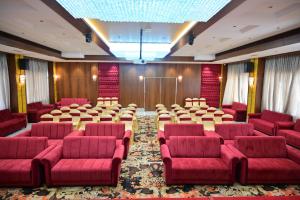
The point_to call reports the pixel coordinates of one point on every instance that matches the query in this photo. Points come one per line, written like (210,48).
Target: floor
(142,177)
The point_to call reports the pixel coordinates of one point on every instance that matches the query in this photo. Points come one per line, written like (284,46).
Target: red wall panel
(108,77)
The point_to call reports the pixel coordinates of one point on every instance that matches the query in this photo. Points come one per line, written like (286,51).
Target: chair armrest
(236,152)
(226,106)
(229,156)
(24,134)
(214,134)
(118,155)
(126,137)
(254,115)
(52,157)
(161,137)
(165,154)
(293,154)
(19,115)
(76,133)
(285,125)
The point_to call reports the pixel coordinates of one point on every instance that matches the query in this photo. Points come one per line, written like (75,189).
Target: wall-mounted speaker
(249,67)
(24,64)
(88,37)
(191,39)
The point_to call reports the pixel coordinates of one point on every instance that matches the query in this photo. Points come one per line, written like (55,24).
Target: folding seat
(84,119)
(82,109)
(56,112)
(195,102)
(184,119)
(127,119)
(159,106)
(114,101)
(65,109)
(87,106)
(226,118)
(162,120)
(132,105)
(181,112)
(100,100)
(107,101)
(75,115)
(204,107)
(133,109)
(119,106)
(211,110)
(106,118)
(188,103)
(218,116)
(74,106)
(208,122)
(115,108)
(94,114)
(65,117)
(173,106)
(98,109)
(193,111)
(198,115)
(47,118)
(202,102)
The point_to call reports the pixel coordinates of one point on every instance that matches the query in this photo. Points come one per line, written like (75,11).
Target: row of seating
(190,102)
(11,122)
(54,152)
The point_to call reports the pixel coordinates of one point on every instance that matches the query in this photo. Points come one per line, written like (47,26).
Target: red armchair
(55,132)
(20,161)
(11,122)
(36,110)
(267,160)
(237,110)
(84,161)
(69,101)
(198,160)
(108,129)
(183,130)
(291,132)
(265,122)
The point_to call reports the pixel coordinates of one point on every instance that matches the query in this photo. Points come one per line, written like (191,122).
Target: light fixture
(94,77)
(251,81)
(56,77)
(166,11)
(220,78)
(141,78)
(179,78)
(22,79)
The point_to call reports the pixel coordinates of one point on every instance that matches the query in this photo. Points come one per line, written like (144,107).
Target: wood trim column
(259,84)
(51,82)
(223,82)
(11,63)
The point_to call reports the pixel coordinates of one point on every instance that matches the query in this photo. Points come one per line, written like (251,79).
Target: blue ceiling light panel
(162,11)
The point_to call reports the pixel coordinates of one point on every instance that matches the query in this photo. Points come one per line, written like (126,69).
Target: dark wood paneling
(259,84)
(75,80)
(11,63)
(224,81)
(51,82)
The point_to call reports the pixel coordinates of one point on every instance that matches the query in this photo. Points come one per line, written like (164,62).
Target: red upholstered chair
(198,160)
(237,110)
(36,110)
(11,122)
(291,132)
(267,160)
(19,161)
(55,132)
(265,122)
(108,129)
(69,101)
(84,161)
(183,130)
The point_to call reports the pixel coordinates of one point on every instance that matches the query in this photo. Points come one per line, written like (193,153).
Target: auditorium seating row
(235,152)
(190,102)
(55,153)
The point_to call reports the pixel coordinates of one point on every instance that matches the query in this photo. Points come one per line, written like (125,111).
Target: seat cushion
(229,111)
(228,142)
(75,171)
(55,142)
(292,137)
(272,170)
(200,169)
(262,125)
(15,171)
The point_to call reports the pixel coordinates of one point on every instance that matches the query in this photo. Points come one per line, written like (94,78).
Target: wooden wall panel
(259,84)
(75,80)
(51,82)
(12,71)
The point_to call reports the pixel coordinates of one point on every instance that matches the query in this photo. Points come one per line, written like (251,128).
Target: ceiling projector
(140,62)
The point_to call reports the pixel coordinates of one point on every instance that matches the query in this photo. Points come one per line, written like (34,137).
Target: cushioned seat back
(238,106)
(261,146)
(36,105)
(89,147)
(275,116)
(51,130)
(22,147)
(297,125)
(5,115)
(194,147)
(229,131)
(105,129)
(183,130)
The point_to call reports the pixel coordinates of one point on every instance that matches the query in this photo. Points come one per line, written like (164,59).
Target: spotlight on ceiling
(191,39)
(88,37)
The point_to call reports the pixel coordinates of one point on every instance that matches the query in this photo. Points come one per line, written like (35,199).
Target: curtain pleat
(4,83)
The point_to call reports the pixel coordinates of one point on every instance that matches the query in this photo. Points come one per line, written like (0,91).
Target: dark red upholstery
(36,110)
(183,130)
(108,129)
(291,132)
(266,121)
(197,160)
(11,122)
(19,160)
(69,101)
(267,160)
(55,132)
(86,160)
(237,110)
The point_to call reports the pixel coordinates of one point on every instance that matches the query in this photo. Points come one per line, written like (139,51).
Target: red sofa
(267,160)
(291,132)
(229,131)
(183,130)
(237,110)
(11,122)
(69,101)
(198,160)
(84,161)
(265,122)
(20,161)
(55,132)
(108,129)
(36,110)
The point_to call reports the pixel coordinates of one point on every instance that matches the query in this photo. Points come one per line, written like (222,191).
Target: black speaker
(88,37)
(191,39)
(249,67)
(24,64)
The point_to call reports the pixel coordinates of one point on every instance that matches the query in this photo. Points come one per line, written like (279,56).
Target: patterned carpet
(142,177)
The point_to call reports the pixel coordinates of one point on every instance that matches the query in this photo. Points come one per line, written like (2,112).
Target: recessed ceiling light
(41,21)
(234,26)
(270,7)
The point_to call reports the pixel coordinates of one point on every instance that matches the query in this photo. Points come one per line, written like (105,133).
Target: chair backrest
(51,130)
(261,146)
(183,130)
(194,147)
(229,131)
(273,117)
(5,115)
(297,125)
(22,147)
(35,105)
(89,147)
(105,129)
(239,106)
